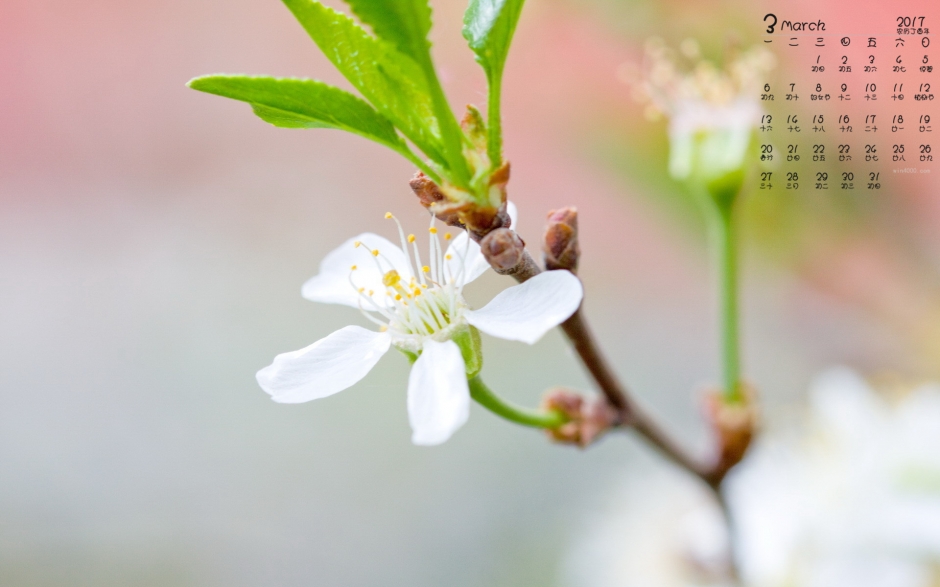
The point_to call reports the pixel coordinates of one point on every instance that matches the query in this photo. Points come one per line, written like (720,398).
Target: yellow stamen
(448,236)
(353,268)
(411,238)
(388,216)
(448,257)
(426,269)
(362,289)
(397,296)
(391,278)
(433,230)
(375,252)
(417,292)
(371,292)
(383,328)
(357,244)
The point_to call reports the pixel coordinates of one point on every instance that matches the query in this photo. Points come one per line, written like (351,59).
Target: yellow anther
(362,289)
(411,238)
(375,252)
(398,296)
(424,285)
(448,257)
(383,328)
(391,278)
(388,216)
(357,244)
(448,236)
(417,292)
(433,230)
(353,268)
(371,292)
(426,269)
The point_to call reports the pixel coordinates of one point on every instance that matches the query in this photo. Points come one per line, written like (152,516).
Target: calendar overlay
(849,110)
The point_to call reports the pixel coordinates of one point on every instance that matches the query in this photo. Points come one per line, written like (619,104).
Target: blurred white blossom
(850,498)
(712,112)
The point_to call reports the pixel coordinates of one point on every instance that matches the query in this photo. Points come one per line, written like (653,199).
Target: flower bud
(457,208)
(733,424)
(587,419)
(560,243)
(504,250)
(431,197)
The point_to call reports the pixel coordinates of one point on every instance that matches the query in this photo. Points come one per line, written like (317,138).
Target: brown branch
(505,250)
(629,414)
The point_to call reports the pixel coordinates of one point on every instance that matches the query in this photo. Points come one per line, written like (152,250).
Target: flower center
(420,300)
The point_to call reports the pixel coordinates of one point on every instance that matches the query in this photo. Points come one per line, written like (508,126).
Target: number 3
(770,28)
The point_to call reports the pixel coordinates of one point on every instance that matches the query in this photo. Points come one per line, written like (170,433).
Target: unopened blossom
(712,113)
(416,304)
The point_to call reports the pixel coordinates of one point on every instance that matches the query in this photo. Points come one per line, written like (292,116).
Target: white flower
(849,499)
(419,309)
(712,113)
(711,139)
(854,501)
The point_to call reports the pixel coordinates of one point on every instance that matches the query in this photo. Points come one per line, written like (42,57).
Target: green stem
(450,130)
(494,144)
(726,249)
(489,400)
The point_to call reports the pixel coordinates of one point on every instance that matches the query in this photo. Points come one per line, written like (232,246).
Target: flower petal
(527,311)
(466,261)
(438,394)
(332,284)
(328,366)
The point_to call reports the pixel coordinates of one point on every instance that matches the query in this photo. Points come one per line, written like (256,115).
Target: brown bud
(503,248)
(733,424)
(455,207)
(427,191)
(587,419)
(432,198)
(560,244)
(481,219)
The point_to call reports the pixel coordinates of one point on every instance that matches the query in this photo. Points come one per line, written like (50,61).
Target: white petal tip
(526,312)
(417,441)
(328,366)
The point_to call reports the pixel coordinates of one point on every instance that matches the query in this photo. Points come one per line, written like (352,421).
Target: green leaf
(303,103)
(387,78)
(488,26)
(404,23)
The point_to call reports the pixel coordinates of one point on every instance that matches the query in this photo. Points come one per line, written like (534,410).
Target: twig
(630,415)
